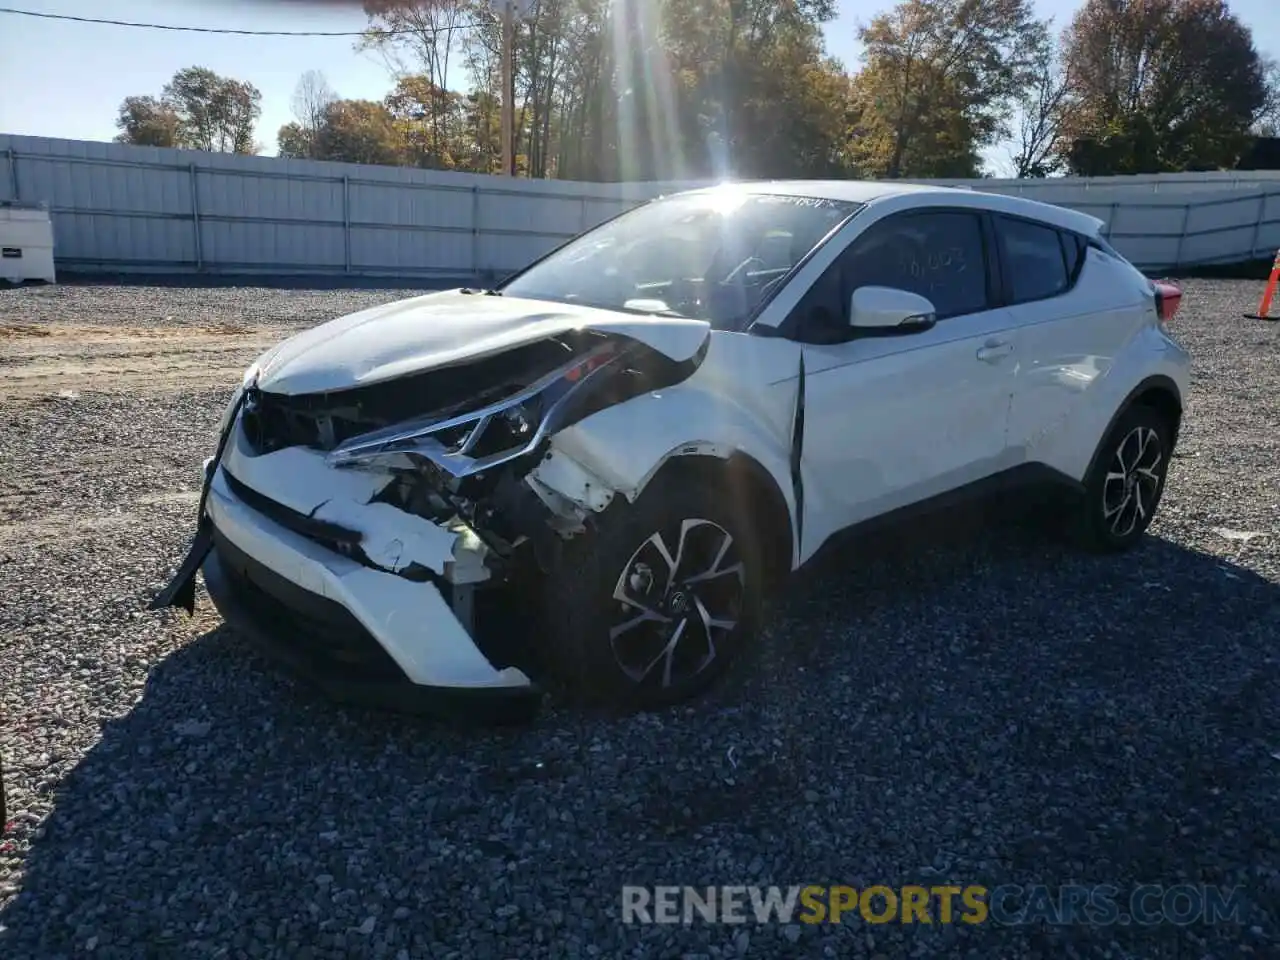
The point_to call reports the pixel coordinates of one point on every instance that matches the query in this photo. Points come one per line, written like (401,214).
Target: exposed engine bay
(462,442)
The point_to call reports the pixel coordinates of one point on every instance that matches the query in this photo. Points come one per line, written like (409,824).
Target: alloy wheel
(1132,483)
(675,607)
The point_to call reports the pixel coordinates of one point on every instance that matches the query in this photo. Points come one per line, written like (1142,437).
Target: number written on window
(937,255)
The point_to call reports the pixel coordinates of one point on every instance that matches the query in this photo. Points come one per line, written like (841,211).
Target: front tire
(1126,482)
(655,604)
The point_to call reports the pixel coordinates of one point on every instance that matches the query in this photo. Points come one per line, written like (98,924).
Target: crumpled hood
(439,329)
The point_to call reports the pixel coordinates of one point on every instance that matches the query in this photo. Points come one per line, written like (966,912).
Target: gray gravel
(969,708)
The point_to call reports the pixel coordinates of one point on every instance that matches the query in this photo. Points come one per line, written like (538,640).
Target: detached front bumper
(362,635)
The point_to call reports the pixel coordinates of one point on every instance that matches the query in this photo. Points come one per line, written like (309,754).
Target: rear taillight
(1168,299)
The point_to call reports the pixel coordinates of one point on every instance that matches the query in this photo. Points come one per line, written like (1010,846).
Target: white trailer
(26,242)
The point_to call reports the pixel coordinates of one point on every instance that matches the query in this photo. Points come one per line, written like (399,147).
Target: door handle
(993,350)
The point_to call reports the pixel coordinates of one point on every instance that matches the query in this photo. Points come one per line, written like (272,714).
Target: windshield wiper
(471,291)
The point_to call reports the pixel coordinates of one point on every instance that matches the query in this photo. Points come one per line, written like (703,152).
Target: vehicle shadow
(927,708)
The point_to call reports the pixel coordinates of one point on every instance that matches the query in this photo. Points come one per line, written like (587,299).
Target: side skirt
(1018,488)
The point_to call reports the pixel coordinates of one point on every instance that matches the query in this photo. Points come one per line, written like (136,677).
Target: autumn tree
(939,82)
(198,110)
(481,148)
(753,91)
(608,90)
(147,122)
(418,39)
(294,142)
(360,131)
(1161,85)
(429,118)
(214,112)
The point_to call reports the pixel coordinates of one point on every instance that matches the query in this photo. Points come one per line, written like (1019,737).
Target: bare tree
(311,101)
(1267,119)
(1038,117)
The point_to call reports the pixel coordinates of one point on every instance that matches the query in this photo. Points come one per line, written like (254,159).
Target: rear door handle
(994,350)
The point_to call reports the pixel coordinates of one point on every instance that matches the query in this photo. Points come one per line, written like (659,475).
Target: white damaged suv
(596,472)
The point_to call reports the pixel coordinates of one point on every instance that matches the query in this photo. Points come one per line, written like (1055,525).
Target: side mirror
(888,309)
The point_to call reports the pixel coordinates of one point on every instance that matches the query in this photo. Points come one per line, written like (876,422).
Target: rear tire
(657,601)
(1126,482)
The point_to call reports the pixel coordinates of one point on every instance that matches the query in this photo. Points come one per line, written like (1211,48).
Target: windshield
(712,256)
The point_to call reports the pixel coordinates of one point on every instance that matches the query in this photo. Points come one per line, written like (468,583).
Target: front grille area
(331,535)
(322,421)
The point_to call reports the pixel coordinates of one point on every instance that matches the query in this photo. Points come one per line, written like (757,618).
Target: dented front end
(383,531)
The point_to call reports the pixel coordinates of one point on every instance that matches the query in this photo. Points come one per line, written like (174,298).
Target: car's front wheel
(657,601)
(1126,482)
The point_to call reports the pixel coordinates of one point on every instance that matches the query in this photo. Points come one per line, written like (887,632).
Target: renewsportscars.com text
(1009,904)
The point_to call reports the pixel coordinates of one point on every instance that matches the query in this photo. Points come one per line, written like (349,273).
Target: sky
(62,79)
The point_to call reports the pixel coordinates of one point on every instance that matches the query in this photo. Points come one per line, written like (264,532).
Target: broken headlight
(468,444)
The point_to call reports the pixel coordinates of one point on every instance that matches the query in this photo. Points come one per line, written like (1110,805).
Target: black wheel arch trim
(1156,382)
(761,479)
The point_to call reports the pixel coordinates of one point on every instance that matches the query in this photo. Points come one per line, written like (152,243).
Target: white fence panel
(124,208)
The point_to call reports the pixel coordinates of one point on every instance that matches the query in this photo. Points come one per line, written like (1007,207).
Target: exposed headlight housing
(466,445)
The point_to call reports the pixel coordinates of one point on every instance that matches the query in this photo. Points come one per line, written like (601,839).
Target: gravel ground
(989,708)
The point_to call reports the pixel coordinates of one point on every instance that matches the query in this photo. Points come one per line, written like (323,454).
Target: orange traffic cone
(1264,305)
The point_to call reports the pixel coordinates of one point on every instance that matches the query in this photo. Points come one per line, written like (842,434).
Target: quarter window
(1073,248)
(1035,260)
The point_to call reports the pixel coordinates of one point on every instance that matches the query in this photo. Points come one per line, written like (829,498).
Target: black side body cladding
(1025,478)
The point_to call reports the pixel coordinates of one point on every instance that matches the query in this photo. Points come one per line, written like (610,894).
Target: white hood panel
(439,329)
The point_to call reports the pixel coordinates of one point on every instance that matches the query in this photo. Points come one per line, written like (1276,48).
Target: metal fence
(121,208)
(137,208)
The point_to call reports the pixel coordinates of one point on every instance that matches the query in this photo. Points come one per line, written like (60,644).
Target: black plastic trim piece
(318,531)
(217,455)
(993,250)
(181,590)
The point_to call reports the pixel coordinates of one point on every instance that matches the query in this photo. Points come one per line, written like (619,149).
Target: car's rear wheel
(1126,482)
(657,602)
